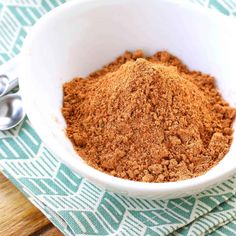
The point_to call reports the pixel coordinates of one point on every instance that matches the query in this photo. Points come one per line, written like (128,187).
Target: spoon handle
(9,71)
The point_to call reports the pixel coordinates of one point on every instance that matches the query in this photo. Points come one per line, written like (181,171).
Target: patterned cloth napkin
(76,206)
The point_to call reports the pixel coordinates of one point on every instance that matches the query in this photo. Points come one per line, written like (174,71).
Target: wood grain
(48,231)
(20,217)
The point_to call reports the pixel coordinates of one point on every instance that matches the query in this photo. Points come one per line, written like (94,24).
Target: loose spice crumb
(148,119)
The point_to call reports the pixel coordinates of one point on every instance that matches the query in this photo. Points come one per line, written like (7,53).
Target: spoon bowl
(11,111)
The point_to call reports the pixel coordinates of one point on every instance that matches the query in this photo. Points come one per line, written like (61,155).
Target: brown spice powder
(148,119)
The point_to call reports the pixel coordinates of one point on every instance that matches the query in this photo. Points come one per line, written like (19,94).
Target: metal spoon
(11,111)
(11,108)
(8,77)
(3,84)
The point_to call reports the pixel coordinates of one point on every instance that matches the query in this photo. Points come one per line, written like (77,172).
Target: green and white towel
(76,206)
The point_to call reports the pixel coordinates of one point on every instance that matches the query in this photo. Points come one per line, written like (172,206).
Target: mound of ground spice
(148,119)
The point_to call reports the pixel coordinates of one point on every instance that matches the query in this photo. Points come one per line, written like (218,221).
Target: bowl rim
(84,169)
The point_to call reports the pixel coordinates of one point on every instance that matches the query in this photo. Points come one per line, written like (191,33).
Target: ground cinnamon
(148,119)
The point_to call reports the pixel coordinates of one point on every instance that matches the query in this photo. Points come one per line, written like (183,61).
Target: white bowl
(81,36)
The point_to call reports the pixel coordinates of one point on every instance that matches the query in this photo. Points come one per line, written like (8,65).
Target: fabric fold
(76,206)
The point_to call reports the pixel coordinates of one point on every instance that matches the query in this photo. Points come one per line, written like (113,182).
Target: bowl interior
(82,36)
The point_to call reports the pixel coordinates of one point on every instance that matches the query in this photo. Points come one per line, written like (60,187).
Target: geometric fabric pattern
(76,206)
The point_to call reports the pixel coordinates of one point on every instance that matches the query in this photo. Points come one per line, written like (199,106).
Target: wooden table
(18,216)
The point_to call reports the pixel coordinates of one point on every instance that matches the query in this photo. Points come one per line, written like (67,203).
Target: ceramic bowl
(83,35)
